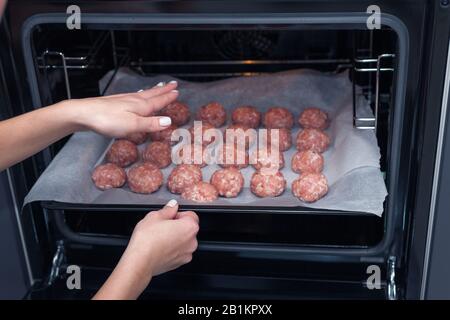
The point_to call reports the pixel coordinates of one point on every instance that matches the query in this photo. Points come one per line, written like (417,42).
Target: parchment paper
(351,163)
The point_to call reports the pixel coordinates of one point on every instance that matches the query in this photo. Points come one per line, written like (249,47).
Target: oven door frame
(394,216)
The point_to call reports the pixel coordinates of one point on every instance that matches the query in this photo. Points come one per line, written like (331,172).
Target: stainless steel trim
(57,260)
(19,226)
(392,286)
(373,69)
(437,168)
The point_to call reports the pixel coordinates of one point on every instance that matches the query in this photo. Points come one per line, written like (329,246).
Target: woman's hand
(114,116)
(162,241)
(121,114)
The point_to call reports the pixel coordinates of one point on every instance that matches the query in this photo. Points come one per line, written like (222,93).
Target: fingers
(148,106)
(156,103)
(188,215)
(190,222)
(157,90)
(170,210)
(152,124)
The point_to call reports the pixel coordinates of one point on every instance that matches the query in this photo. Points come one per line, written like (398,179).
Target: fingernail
(172,203)
(173,82)
(175,91)
(165,121)
(160,84)
(141,90)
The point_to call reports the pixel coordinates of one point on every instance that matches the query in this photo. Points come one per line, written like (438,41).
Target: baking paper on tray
(351,163)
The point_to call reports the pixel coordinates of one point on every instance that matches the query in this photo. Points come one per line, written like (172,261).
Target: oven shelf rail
(379,65)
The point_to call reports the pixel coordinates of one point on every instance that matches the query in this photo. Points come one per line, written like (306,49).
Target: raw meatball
(278,117)
(249,138)
(145,178)
(307,161)
(178,112)
(158,153)
(267,160)
(310,187)
(232,157)
(228,182)
(247,116)
(109,175)
(137,137)
(164,135)
(200,192)
(191,159)
(267,185)
(122,152)
(313,118)
(312,139)
(284,138)
(213,113)
(182,176)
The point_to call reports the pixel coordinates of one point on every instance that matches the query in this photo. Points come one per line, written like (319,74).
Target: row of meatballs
(276,117)
(213,115)
(228,182)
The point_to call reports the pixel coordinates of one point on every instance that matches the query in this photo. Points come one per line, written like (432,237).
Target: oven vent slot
(365,68)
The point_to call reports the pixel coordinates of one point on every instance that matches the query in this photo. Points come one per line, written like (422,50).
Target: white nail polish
(161,84)
(173,82)
(172,203)
(165,121)
(141,90)
(175,91)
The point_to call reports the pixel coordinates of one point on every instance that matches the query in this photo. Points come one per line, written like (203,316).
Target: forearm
(25,135)
(125,282)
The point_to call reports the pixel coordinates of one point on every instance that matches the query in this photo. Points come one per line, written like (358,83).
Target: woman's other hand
(164,240)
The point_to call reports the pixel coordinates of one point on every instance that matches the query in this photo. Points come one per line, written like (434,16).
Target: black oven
(244,252)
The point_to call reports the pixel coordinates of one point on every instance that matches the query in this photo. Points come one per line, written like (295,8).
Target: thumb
(152,124)
(170,210)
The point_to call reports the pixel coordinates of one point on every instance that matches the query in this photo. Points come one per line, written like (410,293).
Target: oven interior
(69,64)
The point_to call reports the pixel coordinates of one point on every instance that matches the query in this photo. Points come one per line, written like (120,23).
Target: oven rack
(201,71)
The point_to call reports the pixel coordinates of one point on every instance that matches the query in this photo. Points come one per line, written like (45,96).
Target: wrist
(139,263)
(74,114)
(125,283)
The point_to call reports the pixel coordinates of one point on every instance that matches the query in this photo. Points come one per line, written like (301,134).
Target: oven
(274,252)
